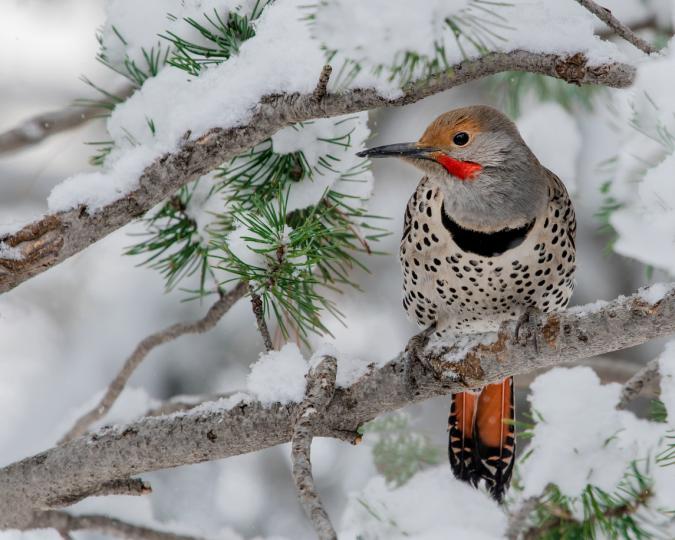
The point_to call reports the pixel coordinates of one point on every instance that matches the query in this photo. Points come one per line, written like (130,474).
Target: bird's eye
(461,138)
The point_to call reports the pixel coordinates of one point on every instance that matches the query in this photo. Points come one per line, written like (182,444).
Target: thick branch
(55,237)
(320,391)
(206,323)
(622,30)
(38,128)
(66,523)
(210,433)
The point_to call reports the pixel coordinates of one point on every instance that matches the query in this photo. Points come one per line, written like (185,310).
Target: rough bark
(55,237)
(209,432)
(319,393)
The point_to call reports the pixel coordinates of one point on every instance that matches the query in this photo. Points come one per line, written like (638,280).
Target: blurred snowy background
(64,334)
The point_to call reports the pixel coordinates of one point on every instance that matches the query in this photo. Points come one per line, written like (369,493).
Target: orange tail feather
(482,440)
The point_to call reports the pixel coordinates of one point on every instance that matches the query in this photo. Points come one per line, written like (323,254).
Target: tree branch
(213,432)
(66,523)
(126,486)
(634,385)
(55,237)
(322,85)
(622,30)
(257,305)
(38,128)
(320,391)
(206,323)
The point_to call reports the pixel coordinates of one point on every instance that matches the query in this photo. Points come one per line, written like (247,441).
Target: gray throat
(492,203)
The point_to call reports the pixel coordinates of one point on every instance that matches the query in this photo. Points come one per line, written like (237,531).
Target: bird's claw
(530,321)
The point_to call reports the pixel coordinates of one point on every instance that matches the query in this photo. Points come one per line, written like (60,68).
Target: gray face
(510,188)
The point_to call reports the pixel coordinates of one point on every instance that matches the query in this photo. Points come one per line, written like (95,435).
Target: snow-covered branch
(53,238)
(239,425)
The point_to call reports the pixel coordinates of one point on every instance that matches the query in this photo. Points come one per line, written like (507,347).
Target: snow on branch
(54,237)
(239,425)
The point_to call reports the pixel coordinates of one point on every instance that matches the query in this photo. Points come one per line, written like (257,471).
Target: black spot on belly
(485,244)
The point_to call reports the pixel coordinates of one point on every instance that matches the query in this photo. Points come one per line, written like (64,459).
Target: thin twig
(38,128)
(634,385)
(650,23)
(64,522)
(259,312)
(214,314)
(322,86)
(319,393)
(605,15)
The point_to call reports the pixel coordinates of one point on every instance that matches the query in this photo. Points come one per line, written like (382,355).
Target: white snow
(582,438)
(279,376)
(9,252)
(379,33)
(219,405)
(586,309)
(100,188)
(331,162)
(557,149)
(141,23)
(431,506)
(646,225)
(643,182)
(656,292)
(349,367)
(459,344)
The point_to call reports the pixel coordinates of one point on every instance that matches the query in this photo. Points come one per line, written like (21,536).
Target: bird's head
(481,163)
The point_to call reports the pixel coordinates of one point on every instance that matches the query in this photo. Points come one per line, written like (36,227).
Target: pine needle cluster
(291,258)
(597,513)
(474,29)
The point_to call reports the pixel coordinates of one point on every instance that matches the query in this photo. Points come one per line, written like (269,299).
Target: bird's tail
(482,441)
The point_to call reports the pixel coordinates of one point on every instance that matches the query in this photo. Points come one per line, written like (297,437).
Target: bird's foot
(527,327)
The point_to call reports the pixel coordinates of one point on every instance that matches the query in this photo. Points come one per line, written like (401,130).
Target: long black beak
(411,150)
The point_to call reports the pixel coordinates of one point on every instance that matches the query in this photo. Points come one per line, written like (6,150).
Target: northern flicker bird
(488,236)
